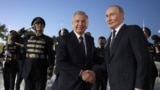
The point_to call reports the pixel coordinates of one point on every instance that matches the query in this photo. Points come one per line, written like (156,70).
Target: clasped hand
(88,76)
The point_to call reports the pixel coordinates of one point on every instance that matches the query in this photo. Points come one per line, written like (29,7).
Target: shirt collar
(77,35)
(119,27)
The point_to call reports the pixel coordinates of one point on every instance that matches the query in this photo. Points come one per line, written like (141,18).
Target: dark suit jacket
(70,60)
(128,62)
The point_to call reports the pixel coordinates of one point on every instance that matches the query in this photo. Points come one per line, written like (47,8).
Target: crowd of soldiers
(32,58)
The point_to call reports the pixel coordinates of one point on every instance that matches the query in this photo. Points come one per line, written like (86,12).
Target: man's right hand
(137,89)
(21,31)
(88,76)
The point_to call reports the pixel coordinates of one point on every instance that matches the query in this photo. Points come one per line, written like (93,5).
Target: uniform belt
(8,59)
(34,56)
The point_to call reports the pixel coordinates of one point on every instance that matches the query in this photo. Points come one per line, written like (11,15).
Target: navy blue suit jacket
(128,63)
(70,61)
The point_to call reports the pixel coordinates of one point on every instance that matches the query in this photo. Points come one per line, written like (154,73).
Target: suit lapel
(89,50)
(117,40)
(74,39)
(109,40)
(76,44)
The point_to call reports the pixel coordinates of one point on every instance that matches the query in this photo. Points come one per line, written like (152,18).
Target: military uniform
(10,66)
(101,82)
(153,70)
(20,62)
(39,55)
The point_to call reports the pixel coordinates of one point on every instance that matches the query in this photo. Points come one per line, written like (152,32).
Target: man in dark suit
(73,60)
(127,57)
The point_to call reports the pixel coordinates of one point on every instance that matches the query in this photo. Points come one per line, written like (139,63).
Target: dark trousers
(152,83)
(19,80)
(31,84)
(100,84)
(9,80)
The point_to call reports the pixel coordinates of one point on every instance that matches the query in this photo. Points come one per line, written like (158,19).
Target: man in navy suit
(74,62)
(128,56)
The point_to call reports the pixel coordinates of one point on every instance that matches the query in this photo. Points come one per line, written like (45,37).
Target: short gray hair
(80,13)
(119,8)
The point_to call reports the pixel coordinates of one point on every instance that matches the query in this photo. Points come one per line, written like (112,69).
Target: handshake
(88,76)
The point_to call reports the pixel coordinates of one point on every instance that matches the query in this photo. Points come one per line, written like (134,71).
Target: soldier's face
(63,32)
(39,27)
(12,36)
(102,42)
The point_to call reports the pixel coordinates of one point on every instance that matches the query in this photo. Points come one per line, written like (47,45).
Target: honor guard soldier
(39,56)
(101,82)
(19,78)
(62,32)
(153,70)
(10,66)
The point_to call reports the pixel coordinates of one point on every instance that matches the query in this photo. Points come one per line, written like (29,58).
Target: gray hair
(119,8)
(80,13)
